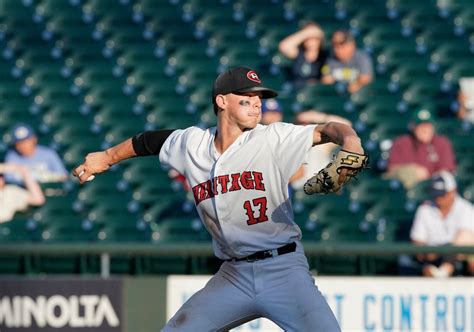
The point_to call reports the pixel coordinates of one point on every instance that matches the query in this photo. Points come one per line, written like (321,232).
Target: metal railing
(185,249)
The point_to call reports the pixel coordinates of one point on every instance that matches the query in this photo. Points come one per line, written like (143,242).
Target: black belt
(259,255)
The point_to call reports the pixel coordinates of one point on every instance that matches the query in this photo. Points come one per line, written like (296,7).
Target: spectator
(347,64)
(271,112)
(14,198)
(446,219)
(306,48)
(319,156)
(466,99)
(417,156)
(43,162)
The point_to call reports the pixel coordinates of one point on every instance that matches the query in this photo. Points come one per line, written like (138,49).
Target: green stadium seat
(70,230)
(392,218)
(20,230)
(58,209)
(179,229)
(141,171)
(444,54)
(368,189)
(176,205)
(125,229)
(468,193)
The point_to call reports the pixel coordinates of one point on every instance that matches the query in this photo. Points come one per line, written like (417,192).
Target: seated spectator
(271,111)
(466,99)
(347,64)
(14,198)
(306,48)
(43,162)
(445,219)
(417,156)
(319,156)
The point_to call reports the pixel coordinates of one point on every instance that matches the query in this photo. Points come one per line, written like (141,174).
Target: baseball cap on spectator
(422,115)
(21,131)
(240,80)
(442,183)
(271,105)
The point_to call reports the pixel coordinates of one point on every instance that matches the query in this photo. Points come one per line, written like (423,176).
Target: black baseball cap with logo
(240,80)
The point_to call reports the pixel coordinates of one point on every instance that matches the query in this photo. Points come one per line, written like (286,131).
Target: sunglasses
(340,43)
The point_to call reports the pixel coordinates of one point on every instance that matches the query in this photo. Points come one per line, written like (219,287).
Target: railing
(105,251)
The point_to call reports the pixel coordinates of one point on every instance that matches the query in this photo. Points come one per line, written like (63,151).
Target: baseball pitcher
(239,174)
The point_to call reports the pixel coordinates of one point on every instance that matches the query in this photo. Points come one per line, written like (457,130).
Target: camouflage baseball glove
(329,179)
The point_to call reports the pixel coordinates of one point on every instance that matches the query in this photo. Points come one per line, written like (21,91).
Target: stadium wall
(144,304)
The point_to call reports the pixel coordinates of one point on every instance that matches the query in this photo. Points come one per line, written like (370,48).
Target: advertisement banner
(371,304)
(56,304)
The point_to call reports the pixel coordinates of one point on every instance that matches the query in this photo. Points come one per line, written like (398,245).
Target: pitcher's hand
(94,163)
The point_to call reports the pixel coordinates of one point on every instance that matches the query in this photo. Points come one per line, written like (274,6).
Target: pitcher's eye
(244,103)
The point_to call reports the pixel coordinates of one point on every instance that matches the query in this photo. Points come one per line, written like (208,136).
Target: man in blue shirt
(347,64)
(43,162)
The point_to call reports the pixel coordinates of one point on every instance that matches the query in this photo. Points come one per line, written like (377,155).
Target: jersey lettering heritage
(222,184)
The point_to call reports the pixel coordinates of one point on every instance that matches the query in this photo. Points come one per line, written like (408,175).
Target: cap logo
(251,75)
(21,133)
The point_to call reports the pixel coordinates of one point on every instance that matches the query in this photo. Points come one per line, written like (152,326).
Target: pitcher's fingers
(84,176)
(78,170)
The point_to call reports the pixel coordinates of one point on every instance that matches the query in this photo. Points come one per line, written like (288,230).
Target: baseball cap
(422,115)
(240,80)
(271,105)
(441,183)
(21,131)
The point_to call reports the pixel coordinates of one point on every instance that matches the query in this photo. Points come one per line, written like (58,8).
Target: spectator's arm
(35,193)
(366,74)
(327,78)
(358,84)
(313,116)
(289,45)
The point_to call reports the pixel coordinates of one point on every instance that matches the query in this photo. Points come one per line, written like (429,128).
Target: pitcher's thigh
(215,306)
(298,305)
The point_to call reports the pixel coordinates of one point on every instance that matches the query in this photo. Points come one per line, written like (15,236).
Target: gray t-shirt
(347,72)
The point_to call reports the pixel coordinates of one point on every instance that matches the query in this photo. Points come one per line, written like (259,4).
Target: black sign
(58,304)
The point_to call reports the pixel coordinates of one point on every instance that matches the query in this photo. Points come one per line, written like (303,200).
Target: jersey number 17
(260,214)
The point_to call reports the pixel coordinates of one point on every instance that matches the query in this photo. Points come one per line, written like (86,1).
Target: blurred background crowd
(83,75)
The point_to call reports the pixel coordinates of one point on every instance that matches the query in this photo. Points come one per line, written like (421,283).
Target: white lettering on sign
(57,311)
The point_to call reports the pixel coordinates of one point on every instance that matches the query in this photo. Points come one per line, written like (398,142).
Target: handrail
(205,249)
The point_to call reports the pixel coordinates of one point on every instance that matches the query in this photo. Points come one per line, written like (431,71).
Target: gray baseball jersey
(242,195)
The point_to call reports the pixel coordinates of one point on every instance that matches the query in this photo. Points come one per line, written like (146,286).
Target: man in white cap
(445,219)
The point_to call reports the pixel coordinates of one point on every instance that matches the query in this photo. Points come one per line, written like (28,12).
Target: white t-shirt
(242,195)
(430,227)
(12,199)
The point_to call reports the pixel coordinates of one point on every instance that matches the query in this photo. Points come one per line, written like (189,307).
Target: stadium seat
(179,229)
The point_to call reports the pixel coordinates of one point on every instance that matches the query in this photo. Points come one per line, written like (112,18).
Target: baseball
(90,178)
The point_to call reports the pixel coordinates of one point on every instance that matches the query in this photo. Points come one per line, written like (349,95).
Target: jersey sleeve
(419,231)
(289,144)
(173,150)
